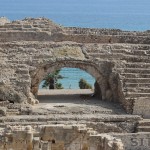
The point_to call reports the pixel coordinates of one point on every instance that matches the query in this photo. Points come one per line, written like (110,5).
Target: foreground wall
(31,48)
(56,137)
(135,141)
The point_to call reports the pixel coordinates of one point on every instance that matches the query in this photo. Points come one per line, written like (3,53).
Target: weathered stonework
(56,137)
(135,141)
(118,60)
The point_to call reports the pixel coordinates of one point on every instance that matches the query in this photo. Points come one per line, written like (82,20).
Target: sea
(133,15)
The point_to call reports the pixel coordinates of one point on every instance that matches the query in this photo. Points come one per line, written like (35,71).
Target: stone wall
(141,107)
(119,60)
(42,29)
(93,31)
(56,137)
(135,141)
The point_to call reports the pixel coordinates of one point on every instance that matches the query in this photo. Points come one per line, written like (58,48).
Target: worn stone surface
(56,137)
(4,20)
(118,60)
(9,94)
(134,141)
(141,107)
(3,111)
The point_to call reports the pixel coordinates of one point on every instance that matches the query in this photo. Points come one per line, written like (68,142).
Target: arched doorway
(105,89)
(106,85)
(50,68)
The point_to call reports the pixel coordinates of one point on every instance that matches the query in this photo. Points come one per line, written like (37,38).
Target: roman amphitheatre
(116,118)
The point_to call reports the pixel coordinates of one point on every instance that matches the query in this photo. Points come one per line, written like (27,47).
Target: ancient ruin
(118,60)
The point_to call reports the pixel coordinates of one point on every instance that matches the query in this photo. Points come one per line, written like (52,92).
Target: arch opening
(70,85)
(97,100)
(43,71)
(106,81)
(68,78)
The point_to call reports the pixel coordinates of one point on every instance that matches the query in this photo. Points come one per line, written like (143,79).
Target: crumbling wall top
(4,20)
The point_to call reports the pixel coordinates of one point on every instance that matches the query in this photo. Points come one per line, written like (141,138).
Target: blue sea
(120,14)
(72,76)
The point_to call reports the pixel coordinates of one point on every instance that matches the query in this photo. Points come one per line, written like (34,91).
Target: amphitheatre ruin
(117,118)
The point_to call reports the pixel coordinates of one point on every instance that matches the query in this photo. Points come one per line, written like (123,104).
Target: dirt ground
(68,101)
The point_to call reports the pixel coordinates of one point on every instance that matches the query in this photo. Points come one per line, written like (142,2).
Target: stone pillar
(113,82)
(36,144)
(45,145)
(29,138)
(34,90)
(97,90)
(103,87)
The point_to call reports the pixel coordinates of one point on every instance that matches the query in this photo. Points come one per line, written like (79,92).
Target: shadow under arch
(101,73)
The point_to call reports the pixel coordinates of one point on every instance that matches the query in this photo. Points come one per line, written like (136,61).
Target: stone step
(144,122)
(135,56)
(23,81)
(12,113)
(131,52)
(15,29)
(25,76)
(120,54)
(137,65)
(25,123)
(137,59)
(143,129)
(137,80)
(106,55)
(12,26)
(109,49)
(131,47)
(27,26)
(140,52)
(140,47)
(3,29)
(31,29)
(136,70)
(141,85)
(20,66)
(13,79)
(135,75)
(145,90)
(72,30)
(46,29)
(24,29)
(70,117)
(137,94)
(22,71)
(16,62)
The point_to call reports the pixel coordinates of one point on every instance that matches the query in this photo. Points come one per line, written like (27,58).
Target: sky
(123,14)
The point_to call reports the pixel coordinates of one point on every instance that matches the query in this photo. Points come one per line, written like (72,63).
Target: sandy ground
(67,101)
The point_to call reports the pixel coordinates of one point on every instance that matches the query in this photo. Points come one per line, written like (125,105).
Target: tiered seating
(144,126)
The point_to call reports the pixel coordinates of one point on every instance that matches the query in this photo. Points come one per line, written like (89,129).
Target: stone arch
(101,72)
